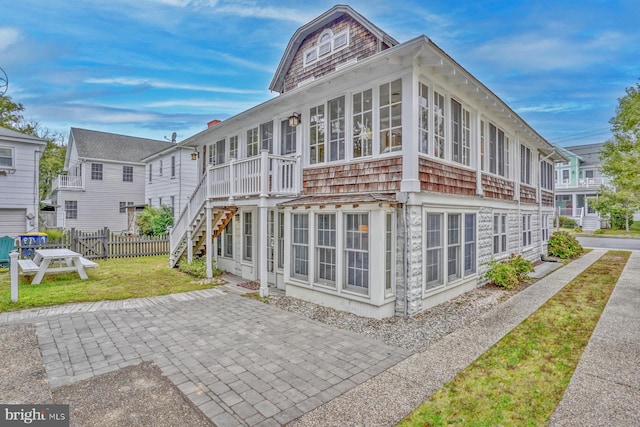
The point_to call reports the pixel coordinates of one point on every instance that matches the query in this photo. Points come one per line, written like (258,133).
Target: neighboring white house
(19,185)
(104,173)
(380,181)
(170,177)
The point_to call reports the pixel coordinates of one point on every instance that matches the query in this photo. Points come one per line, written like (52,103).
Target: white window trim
(473,135)
(503,250)
(12,155)
(332,48)
(446,283)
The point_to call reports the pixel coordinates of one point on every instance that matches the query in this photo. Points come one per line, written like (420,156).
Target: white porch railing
(68,182)
(583,183)
(265,174)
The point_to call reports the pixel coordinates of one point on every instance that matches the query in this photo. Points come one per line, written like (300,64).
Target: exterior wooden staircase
(221,217)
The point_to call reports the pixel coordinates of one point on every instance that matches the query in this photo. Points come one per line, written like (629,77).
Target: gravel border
(411,333)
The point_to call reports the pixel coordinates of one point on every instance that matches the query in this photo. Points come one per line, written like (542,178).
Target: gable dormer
(338,37)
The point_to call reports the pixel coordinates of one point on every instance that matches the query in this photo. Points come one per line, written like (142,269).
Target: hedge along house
(380,181)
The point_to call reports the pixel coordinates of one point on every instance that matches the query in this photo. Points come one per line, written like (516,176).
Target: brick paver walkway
(240,361)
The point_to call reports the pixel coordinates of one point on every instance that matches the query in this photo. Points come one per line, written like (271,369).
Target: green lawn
(521,379)
(113,279)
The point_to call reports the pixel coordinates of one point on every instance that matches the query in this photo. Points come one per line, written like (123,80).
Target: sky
(149,68)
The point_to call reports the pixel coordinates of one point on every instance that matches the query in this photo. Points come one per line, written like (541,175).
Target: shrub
(598,231)
(577,229)
(522,267)
(510,273)
(198,268)
(502,274)
(54,234)
(154,222)
(566,222)
(563,245)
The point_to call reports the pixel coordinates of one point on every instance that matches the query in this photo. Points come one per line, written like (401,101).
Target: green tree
(52,159)
(154,222)
(617,206)
(621,158)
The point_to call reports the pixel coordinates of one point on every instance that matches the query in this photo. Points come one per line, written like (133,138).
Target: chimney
(213,123)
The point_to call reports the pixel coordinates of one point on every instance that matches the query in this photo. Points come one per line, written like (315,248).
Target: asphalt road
(609,243)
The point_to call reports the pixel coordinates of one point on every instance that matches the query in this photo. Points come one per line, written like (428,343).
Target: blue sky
(152,67)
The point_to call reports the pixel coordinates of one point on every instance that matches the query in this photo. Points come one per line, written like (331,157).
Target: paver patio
(240,361)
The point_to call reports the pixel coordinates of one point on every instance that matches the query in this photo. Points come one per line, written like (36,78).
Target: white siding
(179,186)
(19,189)
(99,202)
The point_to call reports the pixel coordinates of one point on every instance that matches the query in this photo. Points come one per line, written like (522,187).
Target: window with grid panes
(326,248)
(390,116)
(336,128)
(356,252)
(300,246)
(362,120)
(316,130)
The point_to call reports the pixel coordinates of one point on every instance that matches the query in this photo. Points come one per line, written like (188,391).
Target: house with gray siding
(19,184)
(170,177)
(103,174)
(380,181)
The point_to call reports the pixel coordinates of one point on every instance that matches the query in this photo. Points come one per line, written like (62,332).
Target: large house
(578,180)
(381,179)
(104,173)
(19,183)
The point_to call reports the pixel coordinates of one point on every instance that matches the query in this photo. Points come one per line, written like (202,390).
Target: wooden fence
(101,244)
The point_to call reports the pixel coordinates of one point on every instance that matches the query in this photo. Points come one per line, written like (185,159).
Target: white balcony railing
(68,182)
(583,183)
(266,174)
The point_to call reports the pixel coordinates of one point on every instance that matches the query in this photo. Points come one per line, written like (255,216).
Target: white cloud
(230,106)
(127,81)
(555,108)
(9,36)
(250,10)
(547,50)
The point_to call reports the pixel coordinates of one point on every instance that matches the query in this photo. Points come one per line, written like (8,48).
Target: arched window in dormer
(327,43)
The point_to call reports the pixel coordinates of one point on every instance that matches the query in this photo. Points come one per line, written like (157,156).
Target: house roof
(277,84)
(93,144)
(15,136)
(589,154)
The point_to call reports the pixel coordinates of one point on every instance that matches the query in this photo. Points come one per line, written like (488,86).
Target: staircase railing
(184,221)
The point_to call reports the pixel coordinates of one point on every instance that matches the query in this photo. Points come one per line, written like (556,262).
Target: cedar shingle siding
(362,44)
(497,188)
(381,175)
(547,198)
(527,194)
(442,178)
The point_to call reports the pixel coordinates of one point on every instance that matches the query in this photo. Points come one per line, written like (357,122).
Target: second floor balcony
(582,183)
(68,182)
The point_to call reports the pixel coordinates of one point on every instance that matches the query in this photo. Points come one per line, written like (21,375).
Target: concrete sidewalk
(605,387)
(387,398)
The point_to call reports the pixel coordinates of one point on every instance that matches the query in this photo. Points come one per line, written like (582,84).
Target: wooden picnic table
(55,260)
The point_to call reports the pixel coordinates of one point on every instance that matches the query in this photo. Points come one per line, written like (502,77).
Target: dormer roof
(305,38)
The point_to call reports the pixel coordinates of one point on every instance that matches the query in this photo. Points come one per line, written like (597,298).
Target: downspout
(540,193)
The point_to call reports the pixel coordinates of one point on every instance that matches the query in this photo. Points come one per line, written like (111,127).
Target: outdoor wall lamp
(195,154)
(294,120)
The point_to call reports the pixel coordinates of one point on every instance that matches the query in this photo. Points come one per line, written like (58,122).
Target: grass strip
(521,379)
(113,279)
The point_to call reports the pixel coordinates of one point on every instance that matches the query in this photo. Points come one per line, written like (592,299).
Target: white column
(263,242)
(410,160)
(14,276)
(209,242)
